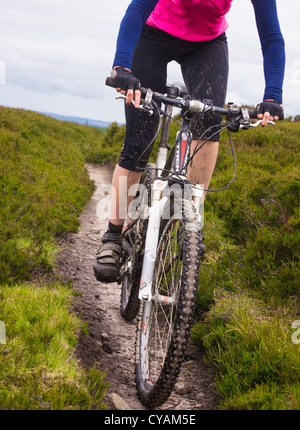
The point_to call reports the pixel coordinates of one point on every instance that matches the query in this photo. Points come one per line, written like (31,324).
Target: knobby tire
(155,380)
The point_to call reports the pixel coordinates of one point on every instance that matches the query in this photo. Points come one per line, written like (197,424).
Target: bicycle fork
(156,211)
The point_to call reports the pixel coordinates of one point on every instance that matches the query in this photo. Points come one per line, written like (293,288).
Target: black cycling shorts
(204,67)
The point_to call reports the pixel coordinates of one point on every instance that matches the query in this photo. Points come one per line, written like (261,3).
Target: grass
(38,368)
(248,297)
(253,349)
(44,187)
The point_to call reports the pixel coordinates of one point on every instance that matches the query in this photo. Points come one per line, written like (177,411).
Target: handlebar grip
(252,113)
(110,82)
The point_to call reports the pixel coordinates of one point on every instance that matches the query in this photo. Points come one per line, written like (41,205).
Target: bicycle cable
(160,111)
(203,143)
(156,134)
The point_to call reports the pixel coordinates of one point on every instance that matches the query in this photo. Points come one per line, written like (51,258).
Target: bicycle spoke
(166,286)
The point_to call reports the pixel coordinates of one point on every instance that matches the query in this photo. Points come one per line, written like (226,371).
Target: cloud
(57,54)
(49,51)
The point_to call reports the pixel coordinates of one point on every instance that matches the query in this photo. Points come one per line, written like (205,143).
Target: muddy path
(111,339)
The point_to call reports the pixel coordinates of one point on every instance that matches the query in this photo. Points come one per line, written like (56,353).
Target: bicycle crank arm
(124,271)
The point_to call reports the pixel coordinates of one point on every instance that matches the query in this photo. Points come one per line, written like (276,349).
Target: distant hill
(85,121)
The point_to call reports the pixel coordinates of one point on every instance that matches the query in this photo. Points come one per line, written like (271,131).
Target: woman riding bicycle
(192,33)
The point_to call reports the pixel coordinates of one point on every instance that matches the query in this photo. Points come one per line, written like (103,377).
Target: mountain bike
(164,244)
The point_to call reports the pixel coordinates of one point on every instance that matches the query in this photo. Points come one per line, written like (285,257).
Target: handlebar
(193,106)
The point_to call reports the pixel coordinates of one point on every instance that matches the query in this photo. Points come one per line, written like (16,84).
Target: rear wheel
(164,323)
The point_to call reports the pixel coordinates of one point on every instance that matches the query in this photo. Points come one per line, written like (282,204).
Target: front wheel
(164,323)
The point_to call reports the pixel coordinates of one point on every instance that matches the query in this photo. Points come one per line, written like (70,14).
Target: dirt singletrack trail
(111,339)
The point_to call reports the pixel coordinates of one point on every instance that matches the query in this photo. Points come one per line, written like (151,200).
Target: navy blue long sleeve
(273,47)
(130,30)
(271,40)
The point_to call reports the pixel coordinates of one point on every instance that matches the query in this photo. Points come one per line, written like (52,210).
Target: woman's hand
(127,84)
(269,110)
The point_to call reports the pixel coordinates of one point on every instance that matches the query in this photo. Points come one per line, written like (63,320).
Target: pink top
(195,20)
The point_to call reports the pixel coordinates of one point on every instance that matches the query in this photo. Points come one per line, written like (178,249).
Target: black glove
(271,106)
(124,79)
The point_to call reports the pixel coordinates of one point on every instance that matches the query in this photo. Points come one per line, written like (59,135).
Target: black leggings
(204,68)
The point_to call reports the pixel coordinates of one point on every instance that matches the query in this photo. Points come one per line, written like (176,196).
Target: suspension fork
(158,203)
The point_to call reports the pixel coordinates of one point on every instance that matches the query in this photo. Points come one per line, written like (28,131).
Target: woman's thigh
(205,72)
(149,65)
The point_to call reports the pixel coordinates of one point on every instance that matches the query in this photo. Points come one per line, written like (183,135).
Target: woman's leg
(122,180)
(203,163)
(141,128)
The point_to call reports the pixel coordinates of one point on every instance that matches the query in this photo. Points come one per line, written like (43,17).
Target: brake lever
(141,106)
(254,124)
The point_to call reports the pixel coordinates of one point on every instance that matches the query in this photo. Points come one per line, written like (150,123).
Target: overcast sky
(56,54)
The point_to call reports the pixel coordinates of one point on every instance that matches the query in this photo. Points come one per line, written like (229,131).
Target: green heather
(248,295)
(44,187)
